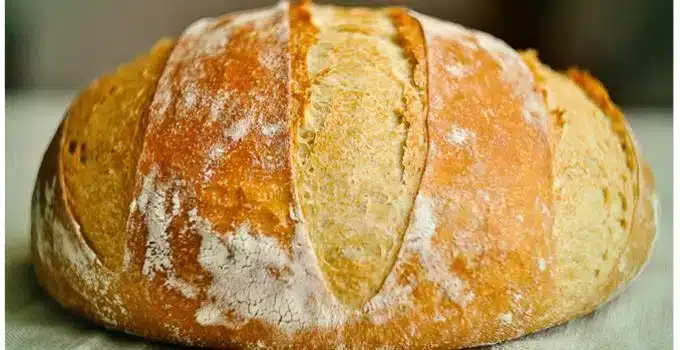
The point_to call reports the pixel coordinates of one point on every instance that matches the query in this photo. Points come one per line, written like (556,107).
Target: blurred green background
(626,43)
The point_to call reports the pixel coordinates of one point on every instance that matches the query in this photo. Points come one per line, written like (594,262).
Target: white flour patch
(175,331)
(546,216)
(541,264)
(217,107)
(88,276)
(161,101)
(506,318)
(69,244)
(267,162)
(241,263)
(268,61)
(424,223)
(417,241)
(488,113)
(208,172)
(151,203)
(459,136)
(176,205)
(457,70)
(513,69)
(269,130)
(215,152)
(190,96)
(79,254)
(436,269)
(518,75)
(180,285)
(544,209)
(436,102)
(381,306)
(200,26)
(413,330)
(238,130)
(212,40)
(127,258)
(212,37)
(209,315)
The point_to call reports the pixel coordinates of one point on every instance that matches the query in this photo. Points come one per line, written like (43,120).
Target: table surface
(640,318)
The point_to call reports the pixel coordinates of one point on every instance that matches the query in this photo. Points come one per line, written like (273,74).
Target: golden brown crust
(600,96)
(216,250)
(103,132)
(643,229)
(493,195)
(589,130)
(83,249)
(642,232)
(215,161)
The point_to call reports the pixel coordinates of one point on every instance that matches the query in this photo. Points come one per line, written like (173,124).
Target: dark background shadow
(626,43)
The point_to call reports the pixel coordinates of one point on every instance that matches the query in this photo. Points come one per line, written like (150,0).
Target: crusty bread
(374,115)
(104,131)
(311,176)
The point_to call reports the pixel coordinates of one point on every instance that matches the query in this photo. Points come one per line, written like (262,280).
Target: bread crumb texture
(308,176)
(354,165)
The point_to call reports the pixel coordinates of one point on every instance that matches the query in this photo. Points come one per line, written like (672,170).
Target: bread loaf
(315,177)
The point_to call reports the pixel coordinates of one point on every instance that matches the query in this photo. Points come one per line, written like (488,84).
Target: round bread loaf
(316,177)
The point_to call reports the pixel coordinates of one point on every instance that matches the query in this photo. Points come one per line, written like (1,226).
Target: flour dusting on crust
(68,254)
(518,75)
(70,245)
(506,318)
(514,70)
(241,113)
(253,277)
(459,136)
(151,203)
(238,130)
(381,307)
(418,240)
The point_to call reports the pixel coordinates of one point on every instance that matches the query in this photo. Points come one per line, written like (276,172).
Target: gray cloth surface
(639,318)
